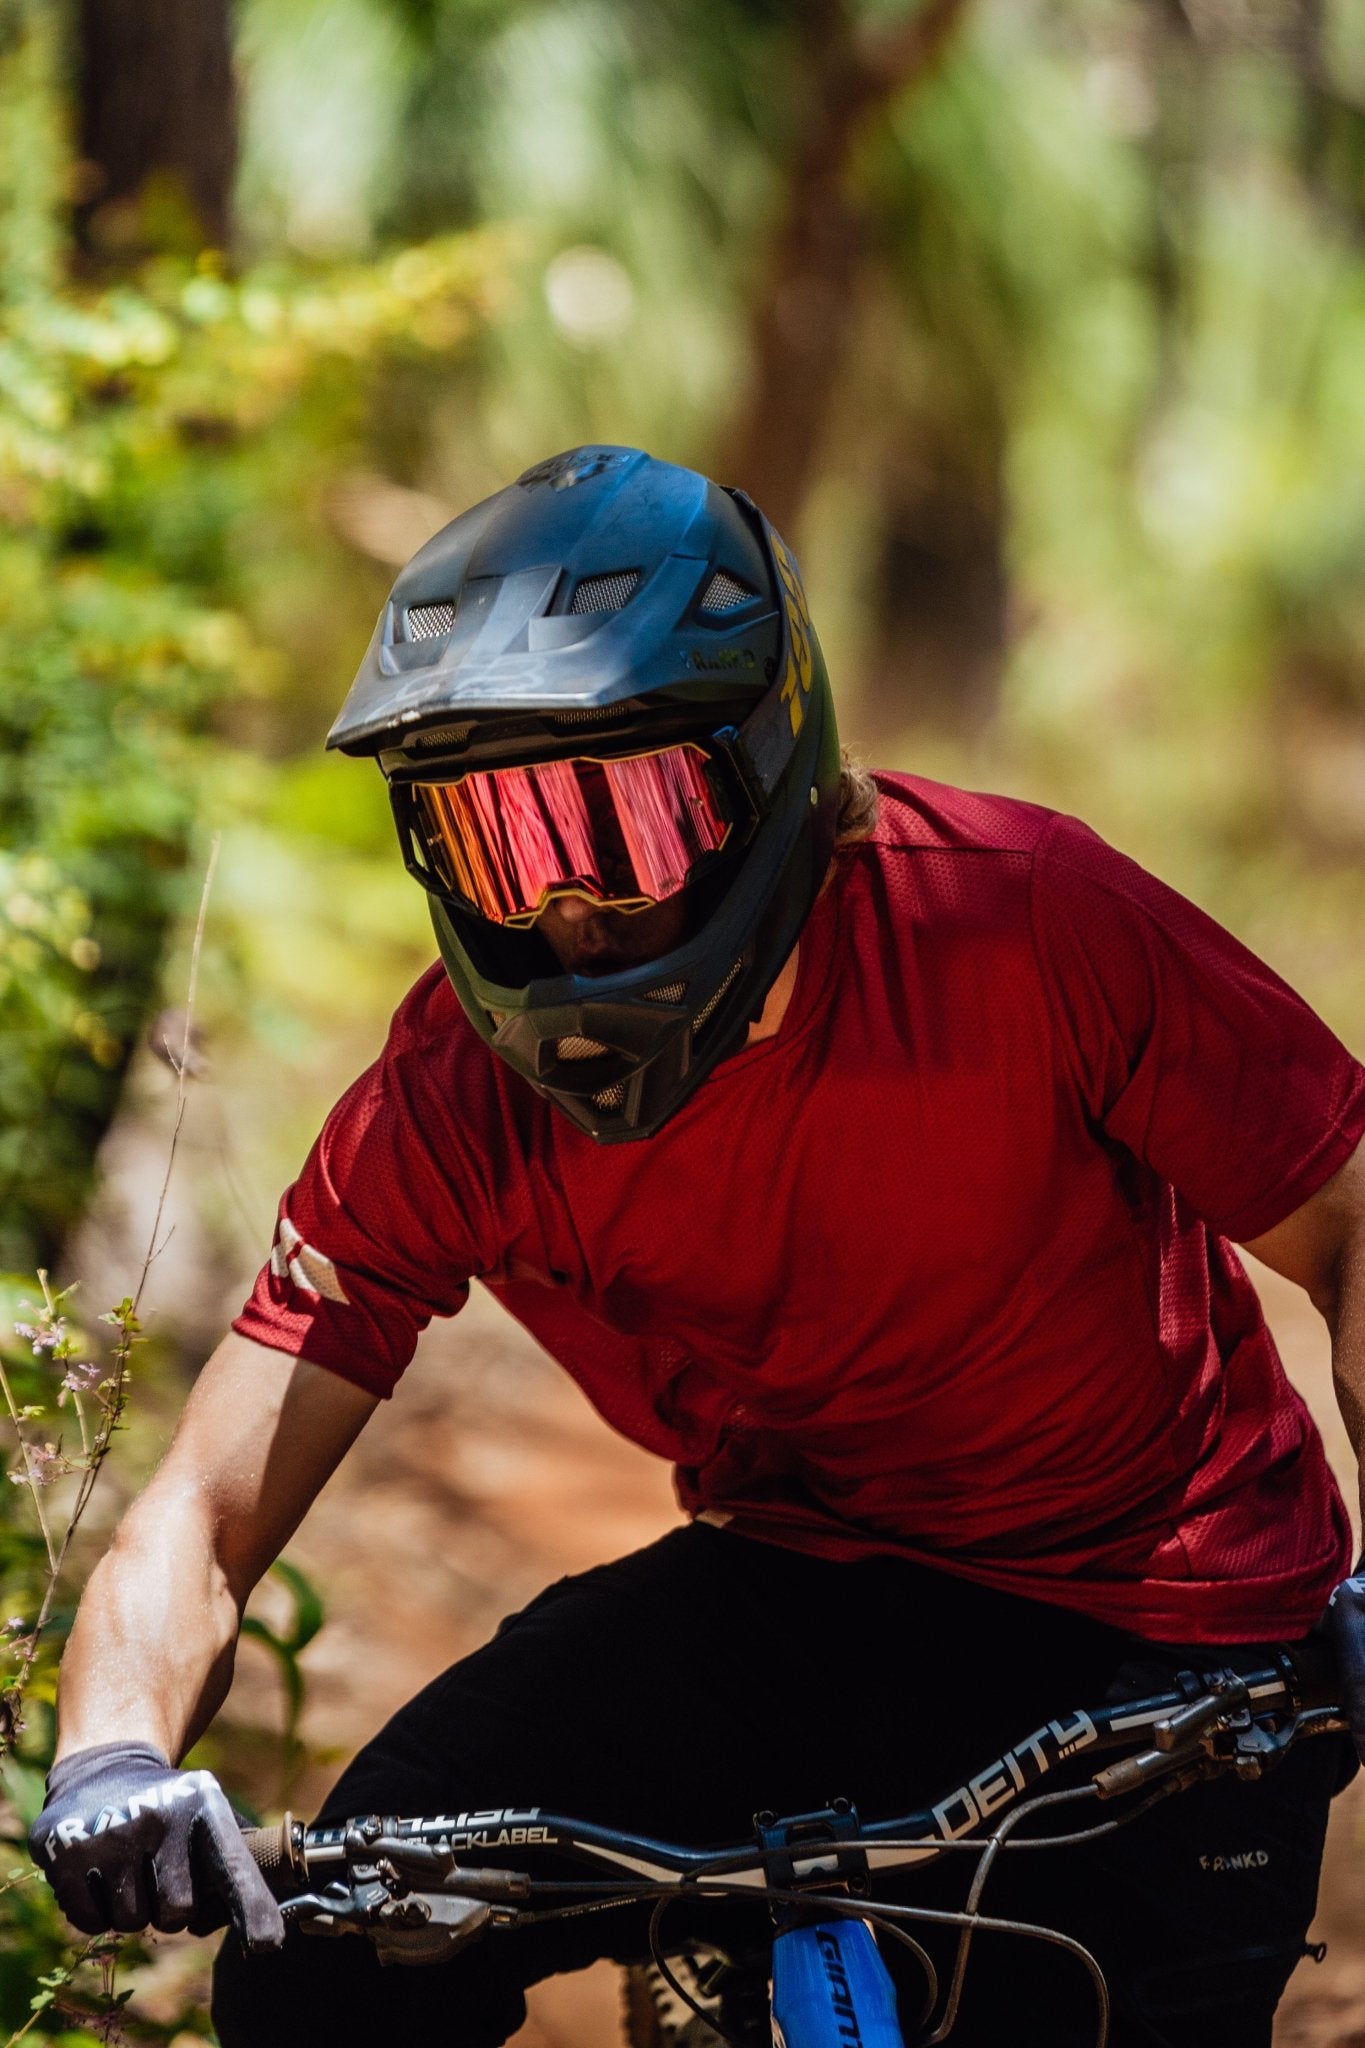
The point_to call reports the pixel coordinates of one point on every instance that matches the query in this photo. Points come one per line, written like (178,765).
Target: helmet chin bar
(589,1088)
(624,1031)
(633,1055)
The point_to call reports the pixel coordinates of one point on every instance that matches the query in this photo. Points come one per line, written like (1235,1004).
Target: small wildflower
(45,1463)
(82,1376)
(14,1624)
(42,1337)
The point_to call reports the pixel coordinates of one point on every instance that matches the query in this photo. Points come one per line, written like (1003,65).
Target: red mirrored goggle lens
(628,833)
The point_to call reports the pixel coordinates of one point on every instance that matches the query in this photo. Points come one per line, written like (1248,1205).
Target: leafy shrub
(159,442)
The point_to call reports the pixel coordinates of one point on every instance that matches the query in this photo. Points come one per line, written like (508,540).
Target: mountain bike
(422,1888)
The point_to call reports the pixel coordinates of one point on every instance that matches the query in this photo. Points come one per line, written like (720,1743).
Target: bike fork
(831,1989)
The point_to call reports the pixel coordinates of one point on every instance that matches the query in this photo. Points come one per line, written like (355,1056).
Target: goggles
(629,832)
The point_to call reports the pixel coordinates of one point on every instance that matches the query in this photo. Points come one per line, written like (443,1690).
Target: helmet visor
(629,832)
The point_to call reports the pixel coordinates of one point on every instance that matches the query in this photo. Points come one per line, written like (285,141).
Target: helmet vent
(724,593)
(670,992)
(710,1004)
(579,1049)
(599,715)
(610,1098)
(438,739)
(430,621)
(604,593)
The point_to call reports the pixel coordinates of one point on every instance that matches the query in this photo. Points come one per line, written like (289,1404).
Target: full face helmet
(603,682)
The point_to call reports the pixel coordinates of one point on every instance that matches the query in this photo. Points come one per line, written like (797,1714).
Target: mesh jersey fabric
(941,1270)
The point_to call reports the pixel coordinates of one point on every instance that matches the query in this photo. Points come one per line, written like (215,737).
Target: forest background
(1036,325)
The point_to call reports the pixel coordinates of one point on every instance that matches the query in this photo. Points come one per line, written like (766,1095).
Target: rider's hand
(1345,1623)
(126,1842)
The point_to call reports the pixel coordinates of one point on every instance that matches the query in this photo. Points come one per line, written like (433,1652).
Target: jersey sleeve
(384,1225)
(1187,1049)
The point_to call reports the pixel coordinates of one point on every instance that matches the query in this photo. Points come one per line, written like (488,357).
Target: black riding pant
(678,1690)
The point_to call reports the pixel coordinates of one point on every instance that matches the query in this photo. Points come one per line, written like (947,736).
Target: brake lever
(1254,1748)
(340,1909)
(1217,1732)
(420,1927)
(1179,1744)
(1225,1699)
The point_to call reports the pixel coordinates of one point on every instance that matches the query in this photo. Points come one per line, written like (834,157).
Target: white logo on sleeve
(292,1259)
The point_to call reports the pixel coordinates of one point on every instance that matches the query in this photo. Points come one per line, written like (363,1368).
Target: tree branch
(896,59)
(803,314)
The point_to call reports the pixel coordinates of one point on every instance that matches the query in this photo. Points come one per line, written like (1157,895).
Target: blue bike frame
(831,1989)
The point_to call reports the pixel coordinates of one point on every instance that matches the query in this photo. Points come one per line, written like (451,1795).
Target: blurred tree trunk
(1180,75)
(804,312)
(937,590)
(938,593)
(157,127)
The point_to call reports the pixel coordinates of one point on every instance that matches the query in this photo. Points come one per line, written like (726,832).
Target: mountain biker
(873,1150)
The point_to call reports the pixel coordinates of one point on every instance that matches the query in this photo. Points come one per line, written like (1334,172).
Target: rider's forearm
(150,1656)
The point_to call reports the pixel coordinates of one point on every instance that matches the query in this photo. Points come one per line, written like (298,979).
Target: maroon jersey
(942,1269)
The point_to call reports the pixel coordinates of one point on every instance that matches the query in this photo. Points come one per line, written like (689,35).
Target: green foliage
(101,686)
(286,1647)
(61,1412)
(165,449)
(62,1405)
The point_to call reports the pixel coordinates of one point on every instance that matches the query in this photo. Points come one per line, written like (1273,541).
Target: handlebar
(400,1883)
(1209,1722)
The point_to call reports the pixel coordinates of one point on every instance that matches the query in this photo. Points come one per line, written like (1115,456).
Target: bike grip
(274,1853)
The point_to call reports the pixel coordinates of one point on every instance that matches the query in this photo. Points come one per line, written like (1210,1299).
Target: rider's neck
(775,1005)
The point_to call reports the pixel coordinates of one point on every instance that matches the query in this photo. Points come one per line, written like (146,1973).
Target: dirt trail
(489,1475)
